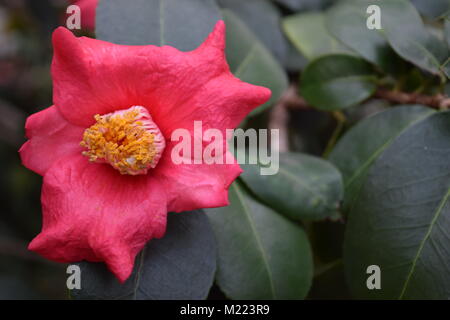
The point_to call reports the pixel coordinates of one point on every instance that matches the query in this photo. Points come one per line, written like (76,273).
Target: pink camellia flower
(104,148)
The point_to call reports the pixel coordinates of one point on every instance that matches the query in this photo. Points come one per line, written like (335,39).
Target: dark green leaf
(262,255)
(362,145)
(250,61)
(181,24)
(308,33)
(334,82)
(181,265)
(407,35)
(305,187)
(347,21)
(263,19)
(401,221)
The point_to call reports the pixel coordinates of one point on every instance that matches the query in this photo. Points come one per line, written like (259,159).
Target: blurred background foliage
(25,87)
(297,47)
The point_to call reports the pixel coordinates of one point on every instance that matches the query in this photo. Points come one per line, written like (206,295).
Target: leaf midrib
(258,241)
(380,149)
(373,157)
(138,274)
(423,242)
(299,181)
(246,61)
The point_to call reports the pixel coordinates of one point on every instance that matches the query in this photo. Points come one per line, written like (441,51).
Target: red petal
(195,186)
(91,212)
(51,137)
(96,77)
(222,103)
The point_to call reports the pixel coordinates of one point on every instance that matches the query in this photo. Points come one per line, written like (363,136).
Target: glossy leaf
(401,221)
(305,187)
(261,254)
(362,145)
(308,33)
(263,18)
(156,22)
(334,82)
(181,265)
(347,21)
(407,35)
(250,61)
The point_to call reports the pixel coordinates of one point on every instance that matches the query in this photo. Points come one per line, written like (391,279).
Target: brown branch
(439,101)
(279,120)
(293,101)
(279,117)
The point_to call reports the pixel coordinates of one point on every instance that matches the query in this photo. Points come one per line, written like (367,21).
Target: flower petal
(91,212)
(96,77)
(196,186)
(51,137)
(222,104)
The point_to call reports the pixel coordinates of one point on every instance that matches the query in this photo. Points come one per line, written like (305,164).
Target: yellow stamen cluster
(123,140)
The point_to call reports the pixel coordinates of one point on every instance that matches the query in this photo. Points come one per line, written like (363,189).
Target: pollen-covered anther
(127,139)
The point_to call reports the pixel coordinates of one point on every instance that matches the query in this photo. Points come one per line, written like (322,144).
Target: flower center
(128,140)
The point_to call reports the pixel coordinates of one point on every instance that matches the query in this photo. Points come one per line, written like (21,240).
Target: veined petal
(51,137)
(92,212)
(96,77)
(222,103)
(196,186)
